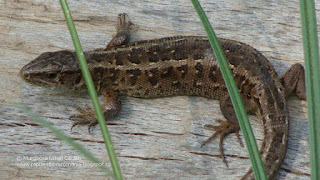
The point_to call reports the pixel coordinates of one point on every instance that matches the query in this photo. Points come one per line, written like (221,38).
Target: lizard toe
(225,128)
(86,116)
(92,123)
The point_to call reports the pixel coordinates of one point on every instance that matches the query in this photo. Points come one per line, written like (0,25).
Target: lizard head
(53,68)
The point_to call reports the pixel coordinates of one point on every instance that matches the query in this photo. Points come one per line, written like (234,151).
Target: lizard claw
(86,115)
(223,129)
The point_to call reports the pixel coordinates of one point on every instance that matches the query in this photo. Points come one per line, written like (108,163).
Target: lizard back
(177,66)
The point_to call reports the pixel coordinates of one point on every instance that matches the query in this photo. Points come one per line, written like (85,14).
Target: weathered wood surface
(154,139)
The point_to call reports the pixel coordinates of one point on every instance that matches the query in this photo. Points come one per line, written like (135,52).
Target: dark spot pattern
(96,57)
(165,57)
(212,74)
(184,70)
(167,73)
(198,56)
(133,74)
(152,75)
(114,74)
(235,62)
(180,54)
(152,57)
(200,72)
(134,58)
(120,56)
(119,62)
(97,74)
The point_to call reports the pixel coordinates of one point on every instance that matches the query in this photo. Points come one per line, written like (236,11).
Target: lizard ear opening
(78,80)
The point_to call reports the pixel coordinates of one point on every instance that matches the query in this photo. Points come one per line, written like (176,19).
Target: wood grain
(153,138)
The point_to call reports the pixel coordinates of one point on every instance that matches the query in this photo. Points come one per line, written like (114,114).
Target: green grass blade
(65,138)
(257,165)
(312,74)
(91,90)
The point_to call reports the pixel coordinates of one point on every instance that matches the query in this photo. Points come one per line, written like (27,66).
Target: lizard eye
(52,75)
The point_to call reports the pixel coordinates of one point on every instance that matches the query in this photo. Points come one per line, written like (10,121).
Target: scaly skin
(181,65)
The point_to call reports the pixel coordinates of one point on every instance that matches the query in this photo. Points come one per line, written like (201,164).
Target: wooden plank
(154,139)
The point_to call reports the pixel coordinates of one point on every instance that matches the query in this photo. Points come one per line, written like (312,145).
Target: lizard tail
(275,119)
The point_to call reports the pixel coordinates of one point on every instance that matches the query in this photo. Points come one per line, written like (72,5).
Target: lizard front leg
(111,107)
(123,32)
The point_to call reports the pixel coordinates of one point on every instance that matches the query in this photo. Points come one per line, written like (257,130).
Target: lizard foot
(123,32)
(87,116)
(223,129)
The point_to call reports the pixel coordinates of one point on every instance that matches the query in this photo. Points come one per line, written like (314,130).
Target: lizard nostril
(24,74)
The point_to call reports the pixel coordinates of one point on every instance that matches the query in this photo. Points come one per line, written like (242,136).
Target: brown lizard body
(181,65)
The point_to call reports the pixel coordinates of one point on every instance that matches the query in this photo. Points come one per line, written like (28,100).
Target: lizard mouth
(37,77)
(24,74)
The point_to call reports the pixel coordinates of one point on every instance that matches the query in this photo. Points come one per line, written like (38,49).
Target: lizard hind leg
(294,81)
(226,127)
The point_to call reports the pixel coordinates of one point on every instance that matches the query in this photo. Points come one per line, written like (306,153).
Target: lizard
(184,66)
